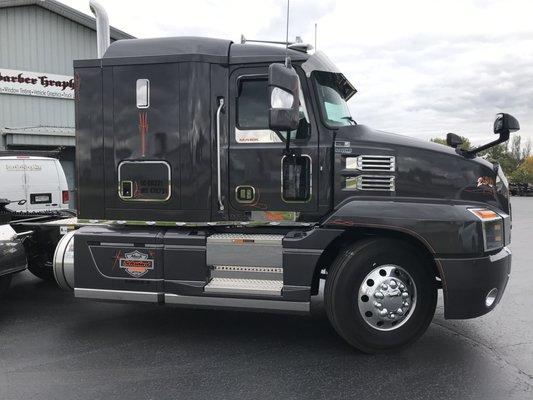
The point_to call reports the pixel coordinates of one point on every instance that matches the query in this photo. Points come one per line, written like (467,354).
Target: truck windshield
(333,106)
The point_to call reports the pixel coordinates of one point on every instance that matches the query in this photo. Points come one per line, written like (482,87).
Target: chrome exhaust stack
(103,35)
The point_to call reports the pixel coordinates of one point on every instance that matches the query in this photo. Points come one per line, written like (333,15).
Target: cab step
(261,287)
(235,271)
(245,264)
(248,250)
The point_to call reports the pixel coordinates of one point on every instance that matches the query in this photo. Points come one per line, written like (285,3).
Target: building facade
(39,39)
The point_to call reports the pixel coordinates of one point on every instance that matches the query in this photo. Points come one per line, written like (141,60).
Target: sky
(422,67)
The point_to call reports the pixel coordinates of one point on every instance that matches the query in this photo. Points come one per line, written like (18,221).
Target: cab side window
(252,114)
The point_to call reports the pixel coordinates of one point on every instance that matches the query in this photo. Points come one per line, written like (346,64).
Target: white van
(40,181)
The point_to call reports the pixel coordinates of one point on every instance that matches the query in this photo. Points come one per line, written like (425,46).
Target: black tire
(42,269)
(5,281)
(40,253)
(347,274)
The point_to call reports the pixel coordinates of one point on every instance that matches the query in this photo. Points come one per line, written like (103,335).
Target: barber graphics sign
(39,84)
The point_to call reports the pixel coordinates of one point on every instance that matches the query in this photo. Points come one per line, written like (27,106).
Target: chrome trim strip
(310,181)
(154,246)
(253,223)
(219,179)
(184,247)
(368,162)
(119,295)
(139,84)
(131,199)
(385,183)
(244,201)
(242,304)
(23,234)
(287,250)
(13,270)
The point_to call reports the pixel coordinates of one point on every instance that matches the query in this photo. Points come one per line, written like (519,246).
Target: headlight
(492,226)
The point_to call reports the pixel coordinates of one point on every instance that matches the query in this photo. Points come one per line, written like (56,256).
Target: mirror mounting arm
(503,125)
(503,138)
(288,143)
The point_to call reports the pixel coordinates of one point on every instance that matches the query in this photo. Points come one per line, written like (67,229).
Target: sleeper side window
(252,114)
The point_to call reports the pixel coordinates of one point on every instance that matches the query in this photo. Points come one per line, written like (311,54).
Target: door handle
(219,179)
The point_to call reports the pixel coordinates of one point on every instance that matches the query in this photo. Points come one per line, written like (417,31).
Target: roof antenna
(316,27)
(287,59)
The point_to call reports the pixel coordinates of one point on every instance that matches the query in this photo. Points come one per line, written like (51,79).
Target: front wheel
(380,295)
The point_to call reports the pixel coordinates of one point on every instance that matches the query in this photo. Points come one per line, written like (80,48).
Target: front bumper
(467,281)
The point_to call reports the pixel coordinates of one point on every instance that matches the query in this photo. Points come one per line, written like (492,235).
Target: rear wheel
(41,267)
(5,281)
(380,295)
(39,252)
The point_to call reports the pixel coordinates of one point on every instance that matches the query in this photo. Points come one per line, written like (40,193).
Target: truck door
(265,181)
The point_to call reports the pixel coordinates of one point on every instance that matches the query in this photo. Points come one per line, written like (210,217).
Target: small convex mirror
(284,95)
(453,140)
(143,93)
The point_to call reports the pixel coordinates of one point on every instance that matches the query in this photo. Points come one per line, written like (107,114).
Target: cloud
(422,67)
(431,85)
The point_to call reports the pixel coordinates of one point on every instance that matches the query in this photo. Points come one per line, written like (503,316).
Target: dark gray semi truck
(232,176)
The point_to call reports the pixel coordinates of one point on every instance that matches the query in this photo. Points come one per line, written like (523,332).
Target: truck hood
(423,169)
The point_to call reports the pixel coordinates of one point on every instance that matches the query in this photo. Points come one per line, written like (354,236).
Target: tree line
(515,160)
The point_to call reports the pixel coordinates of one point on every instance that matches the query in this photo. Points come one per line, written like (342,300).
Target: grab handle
(219,179)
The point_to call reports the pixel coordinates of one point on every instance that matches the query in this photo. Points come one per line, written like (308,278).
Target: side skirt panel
(292,307)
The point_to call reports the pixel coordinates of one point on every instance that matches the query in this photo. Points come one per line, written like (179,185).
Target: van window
(252,114)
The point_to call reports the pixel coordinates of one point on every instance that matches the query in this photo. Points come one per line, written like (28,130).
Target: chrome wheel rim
(387,297)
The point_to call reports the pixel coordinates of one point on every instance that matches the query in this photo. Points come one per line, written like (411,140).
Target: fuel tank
(376,163)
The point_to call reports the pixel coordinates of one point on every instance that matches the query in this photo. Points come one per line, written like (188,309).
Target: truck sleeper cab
(187,196)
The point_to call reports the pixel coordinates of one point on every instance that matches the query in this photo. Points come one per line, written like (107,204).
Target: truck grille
(371,163)
(371,182)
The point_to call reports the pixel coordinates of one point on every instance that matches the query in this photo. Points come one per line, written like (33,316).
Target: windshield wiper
(349,118)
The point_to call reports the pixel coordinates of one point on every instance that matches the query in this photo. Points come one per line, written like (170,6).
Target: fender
(447,229)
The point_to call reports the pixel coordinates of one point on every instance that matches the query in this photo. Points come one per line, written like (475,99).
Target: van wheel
(380,295)
(5,281)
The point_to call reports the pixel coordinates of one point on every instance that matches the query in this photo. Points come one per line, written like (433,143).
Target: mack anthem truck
(227,175)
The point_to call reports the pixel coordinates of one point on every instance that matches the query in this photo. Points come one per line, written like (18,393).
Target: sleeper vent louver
(371,163)
(371,182)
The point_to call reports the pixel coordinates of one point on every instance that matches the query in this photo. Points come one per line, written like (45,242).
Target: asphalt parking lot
(53,346)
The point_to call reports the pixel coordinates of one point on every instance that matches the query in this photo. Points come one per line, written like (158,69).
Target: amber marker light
(484,214)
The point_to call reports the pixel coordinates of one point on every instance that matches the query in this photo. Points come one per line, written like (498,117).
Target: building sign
(36,84)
